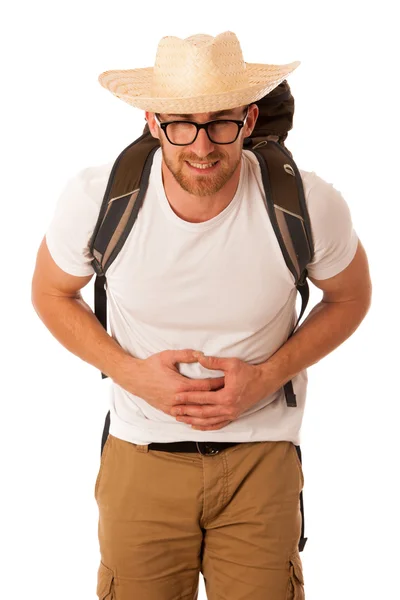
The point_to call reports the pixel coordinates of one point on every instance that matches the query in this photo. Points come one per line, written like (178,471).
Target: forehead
(204,116)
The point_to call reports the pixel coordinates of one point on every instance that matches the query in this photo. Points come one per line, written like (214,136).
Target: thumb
(212,362)
(173,357)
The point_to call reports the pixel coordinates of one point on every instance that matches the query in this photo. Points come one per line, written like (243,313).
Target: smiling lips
(202,165)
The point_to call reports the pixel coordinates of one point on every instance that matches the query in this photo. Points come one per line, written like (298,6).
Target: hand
(157,380)
(245,385)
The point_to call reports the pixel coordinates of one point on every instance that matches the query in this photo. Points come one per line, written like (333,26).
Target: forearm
(74,325)
(327,326)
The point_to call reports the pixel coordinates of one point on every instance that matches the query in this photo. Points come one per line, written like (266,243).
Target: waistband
(202,447)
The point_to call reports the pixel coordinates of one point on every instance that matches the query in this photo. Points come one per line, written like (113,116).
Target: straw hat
(198,74)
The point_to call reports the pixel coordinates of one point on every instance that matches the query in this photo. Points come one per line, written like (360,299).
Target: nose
(202,146)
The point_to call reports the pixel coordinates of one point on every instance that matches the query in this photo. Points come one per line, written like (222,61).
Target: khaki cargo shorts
(166,517)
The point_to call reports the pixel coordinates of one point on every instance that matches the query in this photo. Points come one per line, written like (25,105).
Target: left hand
(245,385)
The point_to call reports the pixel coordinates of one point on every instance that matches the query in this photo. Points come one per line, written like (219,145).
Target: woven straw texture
(197,74)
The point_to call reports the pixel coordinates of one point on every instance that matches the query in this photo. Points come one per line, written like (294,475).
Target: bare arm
(345,303)
(58,302)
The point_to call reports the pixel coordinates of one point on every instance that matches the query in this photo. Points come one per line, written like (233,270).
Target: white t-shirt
(221,286)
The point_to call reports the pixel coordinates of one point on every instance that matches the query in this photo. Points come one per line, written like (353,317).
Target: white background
(57,119)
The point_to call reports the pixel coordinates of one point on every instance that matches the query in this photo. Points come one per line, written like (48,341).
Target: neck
(197,209)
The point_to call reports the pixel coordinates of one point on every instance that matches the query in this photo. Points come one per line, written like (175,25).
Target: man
(200,470)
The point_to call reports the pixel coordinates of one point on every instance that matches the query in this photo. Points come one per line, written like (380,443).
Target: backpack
(284,202)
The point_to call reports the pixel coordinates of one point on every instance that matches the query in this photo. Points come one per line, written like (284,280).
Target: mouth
(202,168)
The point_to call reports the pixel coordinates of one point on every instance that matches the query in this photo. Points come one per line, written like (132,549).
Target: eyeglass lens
(219,132)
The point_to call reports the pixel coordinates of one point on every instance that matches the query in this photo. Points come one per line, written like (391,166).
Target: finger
(216,383)
(217,363)
(205,385)
(202,411)
(181,356)
(211,427)
(200,421)
(199,397)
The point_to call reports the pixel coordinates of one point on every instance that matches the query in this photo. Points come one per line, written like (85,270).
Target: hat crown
(198,74)
(198,65)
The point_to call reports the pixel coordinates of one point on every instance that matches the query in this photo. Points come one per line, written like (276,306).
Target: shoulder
(320,195)
(92,181)
(324,200)
(74,218)
(83,192)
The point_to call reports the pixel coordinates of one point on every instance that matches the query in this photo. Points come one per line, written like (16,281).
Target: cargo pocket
(296,581)
(105,578)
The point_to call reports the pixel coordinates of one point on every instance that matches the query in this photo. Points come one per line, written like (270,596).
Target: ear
(251,120)
(149,116)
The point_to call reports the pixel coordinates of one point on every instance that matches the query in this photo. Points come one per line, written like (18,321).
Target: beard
(201,185)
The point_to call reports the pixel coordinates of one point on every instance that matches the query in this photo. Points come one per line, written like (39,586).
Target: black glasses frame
(205,126)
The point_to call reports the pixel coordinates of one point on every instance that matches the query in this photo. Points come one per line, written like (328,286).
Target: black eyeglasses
(184,133)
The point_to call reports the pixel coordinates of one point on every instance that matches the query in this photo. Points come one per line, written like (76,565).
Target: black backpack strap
(119,211)
(106,430)
(287,209)
(303,540)
(303,289)
(100,303)
(123,198)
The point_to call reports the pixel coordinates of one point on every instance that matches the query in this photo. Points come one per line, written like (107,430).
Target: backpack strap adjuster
(97,268)
(303,277)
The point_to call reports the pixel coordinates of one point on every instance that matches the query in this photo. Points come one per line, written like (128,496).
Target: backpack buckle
(302,278)
(97,268)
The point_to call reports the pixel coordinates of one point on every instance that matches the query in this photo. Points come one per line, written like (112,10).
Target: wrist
(123,368)
(273,374)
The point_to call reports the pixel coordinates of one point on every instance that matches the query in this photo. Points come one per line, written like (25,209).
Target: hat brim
(134,86)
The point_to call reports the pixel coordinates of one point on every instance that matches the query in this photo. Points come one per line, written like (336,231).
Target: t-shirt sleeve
(335,239)
(74,219)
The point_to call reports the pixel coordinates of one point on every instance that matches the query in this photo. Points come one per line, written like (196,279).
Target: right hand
(157,380)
